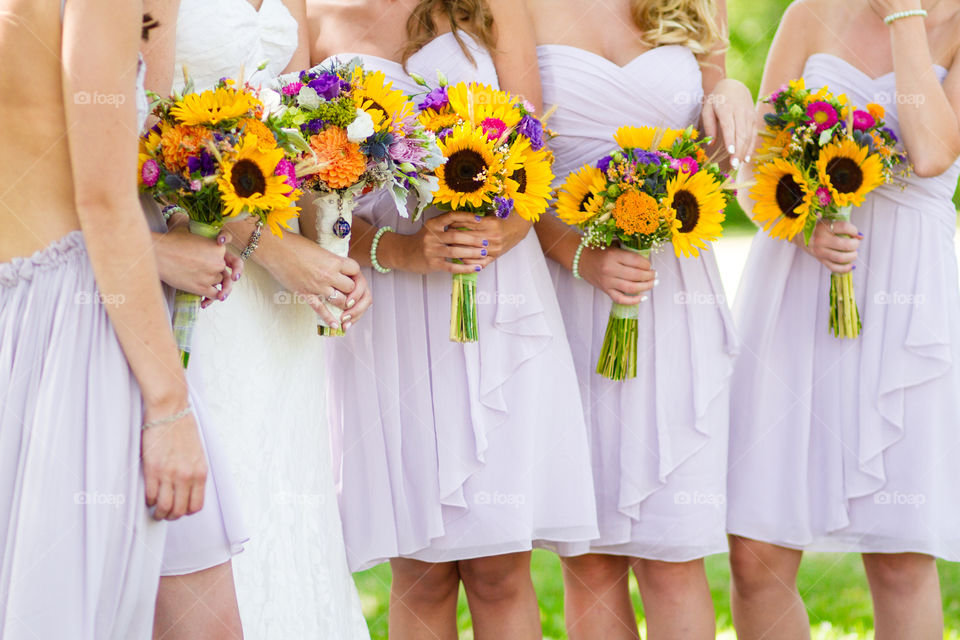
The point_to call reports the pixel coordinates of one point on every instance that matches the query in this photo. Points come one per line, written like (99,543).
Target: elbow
(931,167)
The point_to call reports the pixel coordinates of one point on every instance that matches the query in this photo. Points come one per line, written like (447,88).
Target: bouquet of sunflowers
(213,156)
(819,159)
(497,163)
(362,135)
(657,187)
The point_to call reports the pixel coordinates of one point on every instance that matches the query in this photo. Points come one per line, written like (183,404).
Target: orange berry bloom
(876,111)
(265,137)
(344,161)
(180,142)
(637,212)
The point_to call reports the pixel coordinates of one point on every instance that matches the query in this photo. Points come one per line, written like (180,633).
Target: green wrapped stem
(186,306)
(618,354)
(844,314)
(463,308)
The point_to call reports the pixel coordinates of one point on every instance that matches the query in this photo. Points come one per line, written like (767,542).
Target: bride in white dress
(257,359)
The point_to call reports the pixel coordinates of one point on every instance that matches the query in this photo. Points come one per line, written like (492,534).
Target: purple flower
(292,89)
(646,157)
(327,85)
(286,169)
(445,133)
(604,163)
(315,126)
(407,150)
(150,172)
(502,206)
(204,163)
(436,100)
(532,129)
(892,135)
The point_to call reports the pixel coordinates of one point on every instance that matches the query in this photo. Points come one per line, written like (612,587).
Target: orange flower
(181,142)
(265,137)
(637,212)
(701,156)
(876,111)
(344,161)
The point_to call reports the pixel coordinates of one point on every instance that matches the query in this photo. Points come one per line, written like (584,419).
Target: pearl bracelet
(373,250)
(893,17)
(576,261)
(253,243)
(168,420)
(171,209)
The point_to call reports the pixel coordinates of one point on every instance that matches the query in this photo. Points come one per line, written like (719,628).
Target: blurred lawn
(834,588)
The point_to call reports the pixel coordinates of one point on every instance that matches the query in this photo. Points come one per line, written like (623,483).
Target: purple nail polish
(854,266)
(859,235)
(477,268)
(477,218)
(485,243)
(483,253)
(221,240)
(236,277)
(221,297)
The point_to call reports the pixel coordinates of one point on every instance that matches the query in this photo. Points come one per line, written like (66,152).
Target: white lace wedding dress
(257,359)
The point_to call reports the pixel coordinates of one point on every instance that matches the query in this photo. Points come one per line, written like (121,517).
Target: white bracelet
(576,261)
(890,19)
(373,250)
(169,419)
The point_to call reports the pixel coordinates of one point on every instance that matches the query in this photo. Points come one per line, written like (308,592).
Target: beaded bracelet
(254,242)
(169,210)
(169,419)
(890,19)
(373,250)
(576,261)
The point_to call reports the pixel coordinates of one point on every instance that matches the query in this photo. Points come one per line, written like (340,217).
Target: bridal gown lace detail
(259,360)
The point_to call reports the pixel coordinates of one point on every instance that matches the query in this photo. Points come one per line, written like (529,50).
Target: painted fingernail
(483,253)
(347,317)
(221,297)
(477,218)
(477,268)
(731,149)
(236,277)
(485,243)
(735,163)
(350,304)
(347,325)
(221,239)
(656,282)
(747,159)
(644,299)
(859,235)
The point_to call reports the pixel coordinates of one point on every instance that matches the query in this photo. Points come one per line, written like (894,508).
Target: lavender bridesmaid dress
(658,441)
(447,451)
(851,445)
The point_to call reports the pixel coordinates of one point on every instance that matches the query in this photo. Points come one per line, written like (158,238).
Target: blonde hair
(472,16)
(690,23)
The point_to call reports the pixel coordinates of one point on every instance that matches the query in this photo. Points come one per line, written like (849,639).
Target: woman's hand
(447,237)
(360,300)
(623,275)
(729,111)
(831,248)
(174,465)
(197,265)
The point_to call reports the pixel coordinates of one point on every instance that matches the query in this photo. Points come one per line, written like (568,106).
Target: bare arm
(100,41)
(515,56)
(160,49)
(301,57)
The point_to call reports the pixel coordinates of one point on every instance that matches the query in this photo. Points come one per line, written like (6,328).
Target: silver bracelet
(253,243)
(576,261)
(169,419)
(893,17)
(373,250)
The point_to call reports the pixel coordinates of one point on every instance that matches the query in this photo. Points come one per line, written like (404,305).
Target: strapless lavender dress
(446,451)
(852,445)
(658,441)
(79,553)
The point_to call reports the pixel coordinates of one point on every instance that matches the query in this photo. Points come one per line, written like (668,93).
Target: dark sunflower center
(464,169)
(247,179)
(789,196)
(376,105)
(845,175)
(688,210)
(520,176)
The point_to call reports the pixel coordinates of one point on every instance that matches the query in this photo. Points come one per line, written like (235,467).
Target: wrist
(392,251)
(165,399)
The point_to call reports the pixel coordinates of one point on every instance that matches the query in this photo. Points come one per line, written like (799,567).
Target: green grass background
(834,586)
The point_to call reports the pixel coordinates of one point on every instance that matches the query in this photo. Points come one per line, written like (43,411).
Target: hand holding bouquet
(820,158)
(212,156)
(657,187)
(496,163)
(361,135)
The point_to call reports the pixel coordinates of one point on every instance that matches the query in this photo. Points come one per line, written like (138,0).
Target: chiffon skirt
(79,554)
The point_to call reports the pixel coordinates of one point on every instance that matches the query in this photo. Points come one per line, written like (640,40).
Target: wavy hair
(472,16)
(690,23)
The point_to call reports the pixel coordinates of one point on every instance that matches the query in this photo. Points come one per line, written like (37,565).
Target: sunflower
(637,212)
(646,137)
(579,198)
(387,106)
(529,177)
(478,102)
(342,161)
(248,181)
(181,142)
(265,137)
(437,121)
(783,199)
(698,202)
(470,176)
(214,106)
(849,172)
(279,219)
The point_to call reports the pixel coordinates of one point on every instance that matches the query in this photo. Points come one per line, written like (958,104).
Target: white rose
(361,128)
(308,98)
(271,103)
